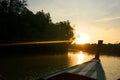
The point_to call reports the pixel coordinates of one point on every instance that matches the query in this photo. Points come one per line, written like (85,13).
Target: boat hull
(91,70)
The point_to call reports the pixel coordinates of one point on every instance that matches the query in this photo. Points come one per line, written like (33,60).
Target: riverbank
(38,48)
(106,49)
(34,48)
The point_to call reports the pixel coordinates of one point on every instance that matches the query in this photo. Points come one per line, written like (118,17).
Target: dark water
(29,67)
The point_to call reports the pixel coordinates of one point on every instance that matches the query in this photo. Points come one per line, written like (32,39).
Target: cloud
(108,19)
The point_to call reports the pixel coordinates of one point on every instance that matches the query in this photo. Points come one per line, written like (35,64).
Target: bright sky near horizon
(98,19)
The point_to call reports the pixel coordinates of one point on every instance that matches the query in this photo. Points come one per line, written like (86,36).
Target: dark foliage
(19,24)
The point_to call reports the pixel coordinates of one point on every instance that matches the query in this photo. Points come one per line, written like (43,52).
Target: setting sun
(81,38)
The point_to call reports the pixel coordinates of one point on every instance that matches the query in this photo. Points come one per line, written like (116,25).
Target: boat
(90,70)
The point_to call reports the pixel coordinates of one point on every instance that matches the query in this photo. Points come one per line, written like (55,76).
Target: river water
(29,67)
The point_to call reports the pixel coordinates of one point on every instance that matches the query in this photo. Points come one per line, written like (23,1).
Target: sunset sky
(98,19)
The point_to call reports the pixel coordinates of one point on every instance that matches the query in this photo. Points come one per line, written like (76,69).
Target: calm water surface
(28,67)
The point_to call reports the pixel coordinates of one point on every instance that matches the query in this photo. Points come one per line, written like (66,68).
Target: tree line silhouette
(19,24)
(106,49)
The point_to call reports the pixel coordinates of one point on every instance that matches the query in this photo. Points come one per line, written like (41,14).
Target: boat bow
(91,70)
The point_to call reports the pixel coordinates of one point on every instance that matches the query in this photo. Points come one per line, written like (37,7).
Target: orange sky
(99,19)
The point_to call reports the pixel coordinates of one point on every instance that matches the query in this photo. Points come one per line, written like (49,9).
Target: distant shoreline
(34,48)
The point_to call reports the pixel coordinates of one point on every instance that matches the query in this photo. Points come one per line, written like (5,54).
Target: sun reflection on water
(76,58)
(80,57)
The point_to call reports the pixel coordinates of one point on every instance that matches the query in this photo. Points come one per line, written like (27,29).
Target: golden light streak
(41,42)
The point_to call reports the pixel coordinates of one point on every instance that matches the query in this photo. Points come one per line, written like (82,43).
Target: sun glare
(81,38)
(80,57)
(76,58)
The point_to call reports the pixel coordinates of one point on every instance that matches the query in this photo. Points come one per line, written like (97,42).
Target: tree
(3,6)
(17,6)
(12,6)
(18,24)
(64,30)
